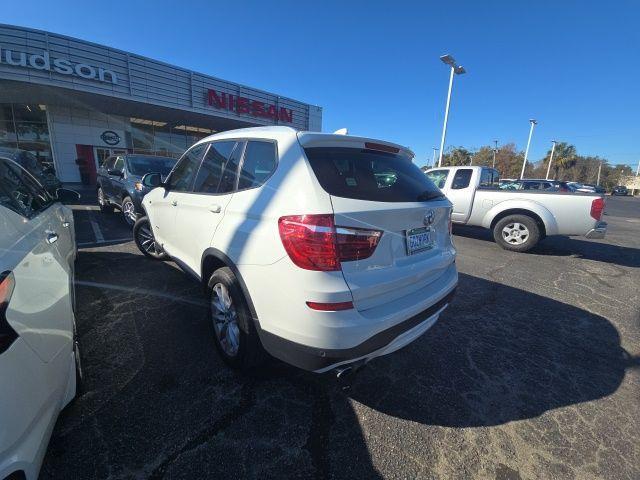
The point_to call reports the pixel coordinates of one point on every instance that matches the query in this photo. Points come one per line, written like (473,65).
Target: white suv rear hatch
(376,186)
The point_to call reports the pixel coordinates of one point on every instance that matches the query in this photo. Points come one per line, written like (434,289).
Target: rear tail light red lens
(597,207)
(7,334)
(313,242)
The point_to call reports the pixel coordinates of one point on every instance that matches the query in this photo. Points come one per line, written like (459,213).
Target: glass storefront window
(161,138)
(24,126)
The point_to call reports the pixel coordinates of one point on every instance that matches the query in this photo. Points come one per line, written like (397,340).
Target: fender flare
(223,259)
(522,207)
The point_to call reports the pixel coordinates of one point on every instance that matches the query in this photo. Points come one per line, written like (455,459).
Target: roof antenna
(342,131)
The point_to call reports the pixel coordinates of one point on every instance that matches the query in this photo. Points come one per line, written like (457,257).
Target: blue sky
(374,66)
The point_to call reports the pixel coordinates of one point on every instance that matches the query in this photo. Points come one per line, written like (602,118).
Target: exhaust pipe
(342,373)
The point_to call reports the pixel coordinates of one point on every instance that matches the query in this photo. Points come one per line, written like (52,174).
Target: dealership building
(72,102)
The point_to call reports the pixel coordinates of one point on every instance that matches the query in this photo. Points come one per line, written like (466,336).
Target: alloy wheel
(129,212)
(225,320)
(146,239)
(515,233)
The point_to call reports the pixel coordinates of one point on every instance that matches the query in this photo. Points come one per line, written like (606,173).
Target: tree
(456,156)
(564,158)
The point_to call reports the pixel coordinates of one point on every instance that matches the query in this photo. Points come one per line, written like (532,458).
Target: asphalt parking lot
(533,372)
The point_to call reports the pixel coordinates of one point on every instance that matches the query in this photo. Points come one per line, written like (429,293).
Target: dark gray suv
(119,182)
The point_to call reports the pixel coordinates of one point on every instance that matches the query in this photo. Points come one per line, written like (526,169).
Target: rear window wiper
(424,196)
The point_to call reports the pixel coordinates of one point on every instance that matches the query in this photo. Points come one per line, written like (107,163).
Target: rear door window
(258,164)
(489,178)
(461,179)
(213,165)
(365,174)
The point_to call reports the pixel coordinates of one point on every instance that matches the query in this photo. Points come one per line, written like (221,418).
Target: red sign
(246,106)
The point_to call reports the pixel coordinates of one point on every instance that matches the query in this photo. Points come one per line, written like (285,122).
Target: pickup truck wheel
(105,207)
(235,335)
(145,241)
(518,233)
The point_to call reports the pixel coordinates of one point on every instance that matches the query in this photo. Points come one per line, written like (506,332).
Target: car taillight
(597,207)
(313,242)
(7,334)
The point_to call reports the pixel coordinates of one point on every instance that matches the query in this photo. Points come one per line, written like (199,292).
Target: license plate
(419,239)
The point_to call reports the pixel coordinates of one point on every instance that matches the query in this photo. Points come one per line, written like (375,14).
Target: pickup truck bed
(519,218)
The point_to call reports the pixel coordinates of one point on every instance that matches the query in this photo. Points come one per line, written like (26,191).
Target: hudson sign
(246,106)
(63,66)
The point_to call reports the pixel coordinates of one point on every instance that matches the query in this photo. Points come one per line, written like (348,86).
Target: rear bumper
(599,231)
(384,342)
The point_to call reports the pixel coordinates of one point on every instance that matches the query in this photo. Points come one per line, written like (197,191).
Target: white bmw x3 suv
(324,250)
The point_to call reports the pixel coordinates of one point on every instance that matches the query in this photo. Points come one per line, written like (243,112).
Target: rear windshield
(142,165)
(370,175)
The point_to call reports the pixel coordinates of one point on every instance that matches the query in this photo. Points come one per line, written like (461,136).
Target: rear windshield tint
(370,175)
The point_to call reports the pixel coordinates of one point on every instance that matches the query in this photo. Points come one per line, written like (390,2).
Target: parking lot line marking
(97,232)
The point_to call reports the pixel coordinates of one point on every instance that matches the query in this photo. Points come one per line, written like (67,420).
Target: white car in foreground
(325,250)
(39,361)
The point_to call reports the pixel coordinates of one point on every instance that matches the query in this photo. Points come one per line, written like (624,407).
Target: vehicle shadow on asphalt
(159,403)
(562,246)
(499,354)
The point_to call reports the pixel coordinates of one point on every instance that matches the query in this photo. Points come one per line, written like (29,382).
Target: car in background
(533,184)
(596,188)
(119,182)
(42,172)
(620,190)
(582,188)
(324,250)
(39,359)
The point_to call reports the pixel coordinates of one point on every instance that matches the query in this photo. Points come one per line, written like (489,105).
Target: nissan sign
(110,137)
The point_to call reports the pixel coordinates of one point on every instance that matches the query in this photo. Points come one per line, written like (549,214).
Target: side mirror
(65,195)
(152,180)
(117,173)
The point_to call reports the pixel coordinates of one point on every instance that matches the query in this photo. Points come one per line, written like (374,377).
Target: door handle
(215,208)
(52,237)
(65,224)
(174,202)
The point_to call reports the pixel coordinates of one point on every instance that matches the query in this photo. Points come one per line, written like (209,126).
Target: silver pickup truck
(519,219)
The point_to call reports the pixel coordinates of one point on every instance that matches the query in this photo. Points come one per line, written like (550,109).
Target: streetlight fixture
(553,149)
(533,123)
(455,70)
(495,150)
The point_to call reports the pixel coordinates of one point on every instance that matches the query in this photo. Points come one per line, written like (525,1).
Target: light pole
(495,150)
(599,170)
(433,159)
(635,180)
(455,70)
(553,149)
(533,123)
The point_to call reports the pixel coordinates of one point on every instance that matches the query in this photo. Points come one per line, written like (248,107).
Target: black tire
(517,243)
(141,232)
(105,207)
(128,210)
(250,353)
